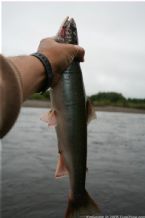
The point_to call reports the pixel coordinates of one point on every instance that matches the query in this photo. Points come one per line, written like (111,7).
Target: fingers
(76,52)
(55,38)
(68,52)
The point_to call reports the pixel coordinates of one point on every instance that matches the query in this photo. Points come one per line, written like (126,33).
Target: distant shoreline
(46,104)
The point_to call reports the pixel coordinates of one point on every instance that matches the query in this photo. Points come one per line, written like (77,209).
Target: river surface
(116,163)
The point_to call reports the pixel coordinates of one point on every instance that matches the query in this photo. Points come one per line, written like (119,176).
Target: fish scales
(70,108)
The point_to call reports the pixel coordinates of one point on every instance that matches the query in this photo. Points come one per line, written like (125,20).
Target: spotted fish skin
(69,103)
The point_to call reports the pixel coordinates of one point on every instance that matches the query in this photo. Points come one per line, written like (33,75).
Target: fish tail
(82,207)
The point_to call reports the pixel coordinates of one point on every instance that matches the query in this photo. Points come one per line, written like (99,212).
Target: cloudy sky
(112,33)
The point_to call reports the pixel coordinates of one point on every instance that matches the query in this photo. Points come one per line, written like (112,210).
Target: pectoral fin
(50,118)
(91,114)
(44,117)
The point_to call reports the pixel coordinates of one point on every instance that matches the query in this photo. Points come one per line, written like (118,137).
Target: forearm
(23,75)
(11,95)
(32,73)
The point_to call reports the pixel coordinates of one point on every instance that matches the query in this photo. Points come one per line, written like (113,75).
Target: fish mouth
(67,32)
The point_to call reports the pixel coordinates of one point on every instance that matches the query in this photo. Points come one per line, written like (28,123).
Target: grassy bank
(46,104)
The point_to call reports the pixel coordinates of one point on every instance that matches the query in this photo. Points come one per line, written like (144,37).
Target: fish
(70,114)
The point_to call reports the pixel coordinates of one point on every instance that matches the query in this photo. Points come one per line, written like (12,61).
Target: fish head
(68,32)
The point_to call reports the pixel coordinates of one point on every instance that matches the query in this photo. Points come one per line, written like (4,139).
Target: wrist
(48,69)
(32,73)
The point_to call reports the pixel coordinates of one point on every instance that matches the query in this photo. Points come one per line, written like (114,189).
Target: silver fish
(70,113)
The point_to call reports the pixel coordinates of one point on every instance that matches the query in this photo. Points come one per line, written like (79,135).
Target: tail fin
(82,208)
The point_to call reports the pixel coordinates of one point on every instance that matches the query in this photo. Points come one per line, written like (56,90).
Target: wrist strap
(48,70)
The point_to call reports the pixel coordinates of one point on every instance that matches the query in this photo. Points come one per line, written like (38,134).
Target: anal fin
(61,169)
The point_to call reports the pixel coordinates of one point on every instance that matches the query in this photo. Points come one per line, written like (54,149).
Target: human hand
(60,55)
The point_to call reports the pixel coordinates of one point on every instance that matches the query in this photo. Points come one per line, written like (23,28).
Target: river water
(116,163)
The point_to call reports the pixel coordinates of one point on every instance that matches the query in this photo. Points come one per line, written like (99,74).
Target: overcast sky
(112,33)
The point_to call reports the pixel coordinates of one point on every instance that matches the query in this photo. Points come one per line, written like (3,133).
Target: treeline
(116,99)
(104,99)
